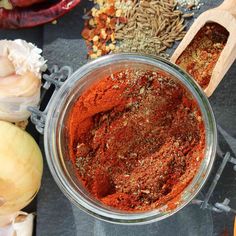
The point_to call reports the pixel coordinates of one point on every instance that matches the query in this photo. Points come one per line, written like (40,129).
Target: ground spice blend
(202,54)
(136,139)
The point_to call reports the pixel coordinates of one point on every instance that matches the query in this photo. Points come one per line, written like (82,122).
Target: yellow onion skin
(21,167)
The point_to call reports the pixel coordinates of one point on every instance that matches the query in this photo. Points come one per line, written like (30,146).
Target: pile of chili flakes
(99,29)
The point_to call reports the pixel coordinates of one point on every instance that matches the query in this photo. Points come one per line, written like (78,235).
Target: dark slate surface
(63,45)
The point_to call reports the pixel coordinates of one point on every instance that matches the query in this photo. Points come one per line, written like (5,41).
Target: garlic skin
(24,56)
(21,85)
(14,109)
(17,224)
(6,67)
(21,66)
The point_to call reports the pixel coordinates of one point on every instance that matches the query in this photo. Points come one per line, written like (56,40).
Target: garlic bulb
(21,66)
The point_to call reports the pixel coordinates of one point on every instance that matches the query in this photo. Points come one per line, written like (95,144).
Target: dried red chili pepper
(27,17)
(24,3)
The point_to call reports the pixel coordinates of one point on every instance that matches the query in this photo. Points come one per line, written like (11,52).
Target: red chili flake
(102,25)
(122,20)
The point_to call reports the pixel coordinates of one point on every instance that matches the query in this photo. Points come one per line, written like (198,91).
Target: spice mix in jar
(136,139)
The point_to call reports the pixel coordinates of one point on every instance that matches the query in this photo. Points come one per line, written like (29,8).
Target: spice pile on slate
(146,26)
(99,30)
(151,27)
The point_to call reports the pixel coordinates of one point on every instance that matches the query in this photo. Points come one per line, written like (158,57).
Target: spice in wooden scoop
(201,55)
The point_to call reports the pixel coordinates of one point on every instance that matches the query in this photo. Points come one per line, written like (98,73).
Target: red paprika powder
(136,139)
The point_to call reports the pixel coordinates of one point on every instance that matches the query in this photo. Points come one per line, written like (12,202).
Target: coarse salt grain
(190,4)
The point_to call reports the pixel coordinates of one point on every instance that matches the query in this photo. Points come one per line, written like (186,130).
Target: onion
(21,167)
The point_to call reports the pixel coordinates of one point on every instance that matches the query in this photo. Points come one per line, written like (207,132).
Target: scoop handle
(229,5)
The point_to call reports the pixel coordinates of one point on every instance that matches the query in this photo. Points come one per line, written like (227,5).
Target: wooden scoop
(224,15)
(235,226)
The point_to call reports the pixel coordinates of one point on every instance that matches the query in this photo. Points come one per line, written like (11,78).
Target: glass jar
(55,141)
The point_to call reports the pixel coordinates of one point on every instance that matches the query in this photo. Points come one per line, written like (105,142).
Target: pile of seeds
(143,26)
(152,27)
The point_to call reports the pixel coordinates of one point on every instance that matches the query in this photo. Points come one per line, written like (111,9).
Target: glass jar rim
(68,187)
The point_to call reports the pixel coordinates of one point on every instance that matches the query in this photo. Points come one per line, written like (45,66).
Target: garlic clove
(8,219)
(14,109)
(7,231)
(19,85)
(6,67)
(24,225)
(17,224)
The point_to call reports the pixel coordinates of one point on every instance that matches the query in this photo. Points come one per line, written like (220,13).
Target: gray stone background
(56,216)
